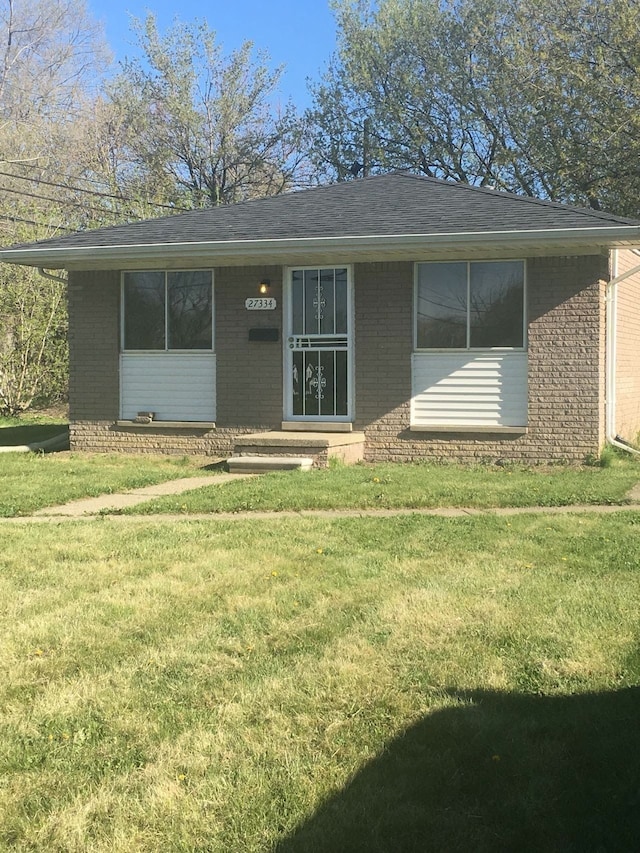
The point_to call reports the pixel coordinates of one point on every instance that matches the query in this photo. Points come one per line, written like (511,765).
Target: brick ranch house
(395,317)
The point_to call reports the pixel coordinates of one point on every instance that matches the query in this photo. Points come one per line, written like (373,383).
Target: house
(394,317)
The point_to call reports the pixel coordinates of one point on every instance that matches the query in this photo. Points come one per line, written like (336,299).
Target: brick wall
(627,375)
(249,374)
(107,437)
(566,367)
(383,347)
(94,336)
(566,355)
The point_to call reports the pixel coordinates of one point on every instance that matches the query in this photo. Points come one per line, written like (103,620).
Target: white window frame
(416,286)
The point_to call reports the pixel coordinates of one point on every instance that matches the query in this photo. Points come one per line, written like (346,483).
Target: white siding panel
(176,386)
(469,389)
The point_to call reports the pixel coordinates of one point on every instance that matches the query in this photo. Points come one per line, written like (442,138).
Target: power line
(33,222)
(34,165)
(93,192)
(79,204)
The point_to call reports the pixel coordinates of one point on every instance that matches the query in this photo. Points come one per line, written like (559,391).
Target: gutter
(611,354)
(56,257)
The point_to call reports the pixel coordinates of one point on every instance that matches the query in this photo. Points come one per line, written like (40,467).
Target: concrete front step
(319,446)
(260,464)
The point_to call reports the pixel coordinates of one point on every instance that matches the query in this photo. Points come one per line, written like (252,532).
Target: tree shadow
(33,434)
(497,772)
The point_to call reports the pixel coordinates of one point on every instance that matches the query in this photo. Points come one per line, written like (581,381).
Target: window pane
(327,302)
(298,382)
(312,306)
(442,305)
(314,382)
(190,302)
(144,310)
(297,308)
(342,308)
(496,304)
(341,379)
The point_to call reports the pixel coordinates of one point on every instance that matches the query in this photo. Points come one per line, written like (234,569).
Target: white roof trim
(57,257)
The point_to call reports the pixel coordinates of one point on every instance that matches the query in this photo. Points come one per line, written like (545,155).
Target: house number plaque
(260,303)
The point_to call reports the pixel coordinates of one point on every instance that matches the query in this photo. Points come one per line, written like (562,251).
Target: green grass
(31,481)
(34,481)
(307,685)
(31,419)
(411,486)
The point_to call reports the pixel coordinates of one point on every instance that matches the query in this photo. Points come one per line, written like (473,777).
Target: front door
(318,345)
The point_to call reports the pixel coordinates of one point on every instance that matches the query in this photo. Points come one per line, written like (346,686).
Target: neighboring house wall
(565,350)
(627,421)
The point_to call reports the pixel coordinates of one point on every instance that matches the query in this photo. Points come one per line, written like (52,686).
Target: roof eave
(566,240)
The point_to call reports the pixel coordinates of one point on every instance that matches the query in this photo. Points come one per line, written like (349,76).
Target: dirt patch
(53,410)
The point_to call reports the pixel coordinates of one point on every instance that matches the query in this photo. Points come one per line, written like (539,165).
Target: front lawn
(31,481)
(34,481)
(300,685)
(412,486)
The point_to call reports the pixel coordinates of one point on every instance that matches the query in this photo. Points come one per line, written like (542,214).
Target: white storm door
(318,352)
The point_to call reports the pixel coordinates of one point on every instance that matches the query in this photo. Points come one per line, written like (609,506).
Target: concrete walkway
(258,515)
(90,508)
(94,506)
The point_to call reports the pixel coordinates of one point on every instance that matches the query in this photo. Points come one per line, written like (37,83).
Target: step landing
(348,447)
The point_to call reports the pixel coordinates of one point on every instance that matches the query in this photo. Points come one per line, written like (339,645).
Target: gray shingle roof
(385,205)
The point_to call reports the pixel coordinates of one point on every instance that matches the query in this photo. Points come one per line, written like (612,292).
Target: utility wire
(33,222)
(94,192)
(79,204)
(24,164)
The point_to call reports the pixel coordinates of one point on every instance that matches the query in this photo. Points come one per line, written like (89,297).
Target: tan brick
(566,366)
(628,348)
(566,393)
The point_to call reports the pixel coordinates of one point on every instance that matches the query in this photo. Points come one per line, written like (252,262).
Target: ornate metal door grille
(319,343)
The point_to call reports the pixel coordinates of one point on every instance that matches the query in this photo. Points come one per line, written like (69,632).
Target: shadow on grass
(500,772)
(219,465)
(30,434)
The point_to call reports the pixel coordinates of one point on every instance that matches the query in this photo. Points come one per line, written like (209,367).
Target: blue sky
(297,33)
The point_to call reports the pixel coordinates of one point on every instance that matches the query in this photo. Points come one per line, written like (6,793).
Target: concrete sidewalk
(273,515)
(91,507)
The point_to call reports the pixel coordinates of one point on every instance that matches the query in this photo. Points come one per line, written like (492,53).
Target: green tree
(540,97)
(33,342)
(51,52)
(201,127)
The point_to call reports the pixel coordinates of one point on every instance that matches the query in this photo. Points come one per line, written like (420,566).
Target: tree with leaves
(51,53)
(540,97)
(200,127)
(33,342)
(184,126)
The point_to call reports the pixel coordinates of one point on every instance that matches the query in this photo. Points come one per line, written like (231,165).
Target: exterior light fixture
(264,286)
